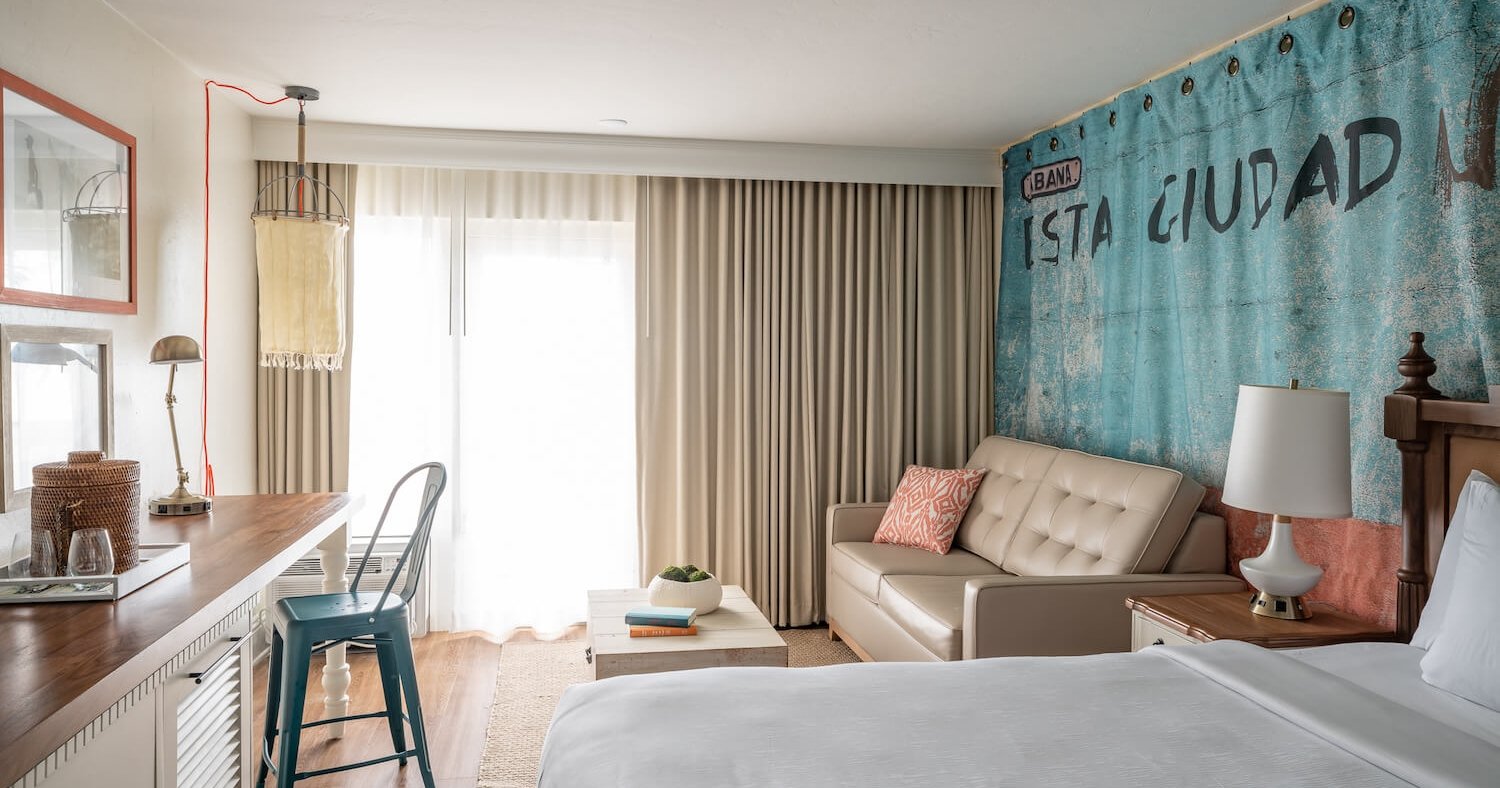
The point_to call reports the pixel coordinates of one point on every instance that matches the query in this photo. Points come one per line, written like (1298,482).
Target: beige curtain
(302,415)
(798,345)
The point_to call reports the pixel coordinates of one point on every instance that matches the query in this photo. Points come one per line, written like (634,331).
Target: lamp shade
(1290,452)
(176,349)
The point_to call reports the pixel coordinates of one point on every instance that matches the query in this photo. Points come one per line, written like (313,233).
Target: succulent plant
(674,573)
(699,575)
(691,569)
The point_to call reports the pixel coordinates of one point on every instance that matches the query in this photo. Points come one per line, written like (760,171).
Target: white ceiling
(895,73)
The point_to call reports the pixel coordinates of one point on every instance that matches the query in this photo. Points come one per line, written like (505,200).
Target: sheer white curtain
(401,403)
(533,397)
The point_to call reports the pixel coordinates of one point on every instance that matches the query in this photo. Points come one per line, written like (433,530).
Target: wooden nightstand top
(1206,617)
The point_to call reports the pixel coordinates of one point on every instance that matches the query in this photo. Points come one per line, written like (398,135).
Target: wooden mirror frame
(13,295)
(12,498)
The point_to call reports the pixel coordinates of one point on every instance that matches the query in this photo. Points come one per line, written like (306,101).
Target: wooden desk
(66,664)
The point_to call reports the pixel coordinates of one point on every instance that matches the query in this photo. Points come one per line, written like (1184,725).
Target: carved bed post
(1403,422)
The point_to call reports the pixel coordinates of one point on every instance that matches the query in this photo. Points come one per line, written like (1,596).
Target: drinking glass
(44,557)
(20,556)
(90,554)
(23,563)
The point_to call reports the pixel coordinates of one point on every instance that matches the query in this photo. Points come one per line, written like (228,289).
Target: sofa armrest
(1203,548)
(1006,615)
(854,522)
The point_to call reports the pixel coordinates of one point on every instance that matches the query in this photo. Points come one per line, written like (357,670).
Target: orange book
(662,632)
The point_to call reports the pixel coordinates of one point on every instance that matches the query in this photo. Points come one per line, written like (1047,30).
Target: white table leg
(334,558)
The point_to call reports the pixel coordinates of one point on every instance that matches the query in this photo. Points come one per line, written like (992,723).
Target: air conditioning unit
(305,576)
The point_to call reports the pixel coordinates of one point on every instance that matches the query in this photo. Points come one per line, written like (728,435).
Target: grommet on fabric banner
(1233,66)
(1346,17)
(1286,44)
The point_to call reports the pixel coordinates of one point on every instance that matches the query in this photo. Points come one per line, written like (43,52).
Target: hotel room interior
(618,393)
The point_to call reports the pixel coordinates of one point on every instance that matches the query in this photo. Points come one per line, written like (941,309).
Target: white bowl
(703,596)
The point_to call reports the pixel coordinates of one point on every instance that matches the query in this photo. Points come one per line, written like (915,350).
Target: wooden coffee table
(736,634)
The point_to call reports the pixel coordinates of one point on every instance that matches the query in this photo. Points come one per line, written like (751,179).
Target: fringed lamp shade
(301,264)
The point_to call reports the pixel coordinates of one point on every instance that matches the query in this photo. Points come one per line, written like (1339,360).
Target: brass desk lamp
(176,350)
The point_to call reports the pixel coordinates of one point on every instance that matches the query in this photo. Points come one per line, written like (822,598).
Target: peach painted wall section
(1359,558)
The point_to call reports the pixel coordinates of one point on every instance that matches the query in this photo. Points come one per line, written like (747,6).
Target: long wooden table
(64,664)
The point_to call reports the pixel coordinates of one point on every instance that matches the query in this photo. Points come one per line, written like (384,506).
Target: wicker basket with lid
(88,491)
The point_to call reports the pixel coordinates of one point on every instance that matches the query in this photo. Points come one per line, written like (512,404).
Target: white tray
(156,560)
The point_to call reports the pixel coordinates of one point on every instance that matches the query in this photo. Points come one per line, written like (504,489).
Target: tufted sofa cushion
(1016,468)
(1095,515)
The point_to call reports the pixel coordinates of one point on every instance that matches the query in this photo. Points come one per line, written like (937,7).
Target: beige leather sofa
(1053,543)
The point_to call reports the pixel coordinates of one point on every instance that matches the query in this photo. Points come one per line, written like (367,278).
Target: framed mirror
(67,204)
(56,396)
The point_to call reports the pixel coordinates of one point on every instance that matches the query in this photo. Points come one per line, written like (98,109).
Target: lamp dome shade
(1290,452)
(176,349)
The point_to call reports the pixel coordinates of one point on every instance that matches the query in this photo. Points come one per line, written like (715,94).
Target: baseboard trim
(835,632)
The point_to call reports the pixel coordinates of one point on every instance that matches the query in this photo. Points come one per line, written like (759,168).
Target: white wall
(275,139)
(84,52)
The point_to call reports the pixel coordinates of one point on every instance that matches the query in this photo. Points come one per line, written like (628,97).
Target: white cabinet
(117,749)
(205,721)
(187,726)
(1145,632)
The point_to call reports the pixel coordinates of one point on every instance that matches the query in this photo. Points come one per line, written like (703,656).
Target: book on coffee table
(652,616)
(661,632)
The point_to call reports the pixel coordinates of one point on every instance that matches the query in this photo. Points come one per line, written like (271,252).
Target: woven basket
(87,491)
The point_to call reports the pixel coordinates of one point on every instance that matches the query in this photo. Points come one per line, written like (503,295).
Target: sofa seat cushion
(929,608)
(862,564)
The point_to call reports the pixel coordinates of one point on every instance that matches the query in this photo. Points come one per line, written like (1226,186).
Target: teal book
(651,616)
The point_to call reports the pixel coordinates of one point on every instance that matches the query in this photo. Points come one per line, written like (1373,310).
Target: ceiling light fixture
(614,123)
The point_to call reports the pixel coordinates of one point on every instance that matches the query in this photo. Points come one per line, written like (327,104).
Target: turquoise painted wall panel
(1296,219)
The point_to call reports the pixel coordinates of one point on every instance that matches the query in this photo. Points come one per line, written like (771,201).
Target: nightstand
(1199,618)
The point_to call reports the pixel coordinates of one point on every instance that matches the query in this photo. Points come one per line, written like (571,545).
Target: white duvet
(1217,714)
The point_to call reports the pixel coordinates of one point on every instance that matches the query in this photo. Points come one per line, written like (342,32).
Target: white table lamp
(1289,457)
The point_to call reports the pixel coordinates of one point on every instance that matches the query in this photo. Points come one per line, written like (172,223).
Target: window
(494,331)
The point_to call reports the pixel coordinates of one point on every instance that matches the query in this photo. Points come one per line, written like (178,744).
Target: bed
(1222,713)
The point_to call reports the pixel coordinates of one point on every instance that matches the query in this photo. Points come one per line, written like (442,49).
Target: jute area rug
(533,676)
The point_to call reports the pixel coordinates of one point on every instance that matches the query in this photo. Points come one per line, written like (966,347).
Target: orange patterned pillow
(927,507)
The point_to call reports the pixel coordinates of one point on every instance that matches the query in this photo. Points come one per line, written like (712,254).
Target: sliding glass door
(524,386)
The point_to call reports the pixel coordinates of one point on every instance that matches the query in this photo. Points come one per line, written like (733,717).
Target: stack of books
(656,622)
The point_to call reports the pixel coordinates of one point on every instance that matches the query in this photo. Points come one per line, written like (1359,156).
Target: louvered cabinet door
(206,719)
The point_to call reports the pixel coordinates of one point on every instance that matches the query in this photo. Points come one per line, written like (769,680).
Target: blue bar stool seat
(305,626)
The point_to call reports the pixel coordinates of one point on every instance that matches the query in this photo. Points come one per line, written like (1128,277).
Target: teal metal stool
(308,625)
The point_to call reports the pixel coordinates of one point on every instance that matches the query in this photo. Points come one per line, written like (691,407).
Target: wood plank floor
(456,676)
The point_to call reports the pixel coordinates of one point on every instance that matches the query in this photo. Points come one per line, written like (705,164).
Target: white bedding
(1394,671)
(1217,714)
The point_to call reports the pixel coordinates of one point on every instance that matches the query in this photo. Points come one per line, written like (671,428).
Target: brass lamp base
(1290,608)
(181,502)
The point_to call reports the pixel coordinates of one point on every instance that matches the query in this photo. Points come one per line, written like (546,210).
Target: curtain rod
(1297,12)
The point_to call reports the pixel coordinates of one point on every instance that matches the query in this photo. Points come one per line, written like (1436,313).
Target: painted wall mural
(1255,217)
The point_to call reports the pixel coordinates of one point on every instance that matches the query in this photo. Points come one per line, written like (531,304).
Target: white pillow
(1465,656)
(1436,608)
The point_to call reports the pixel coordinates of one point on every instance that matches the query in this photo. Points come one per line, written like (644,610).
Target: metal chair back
(433,484)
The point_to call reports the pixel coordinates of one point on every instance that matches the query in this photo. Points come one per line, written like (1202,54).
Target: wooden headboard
(1441,441)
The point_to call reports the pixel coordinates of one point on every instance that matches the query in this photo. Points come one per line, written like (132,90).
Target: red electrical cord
(208,468)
